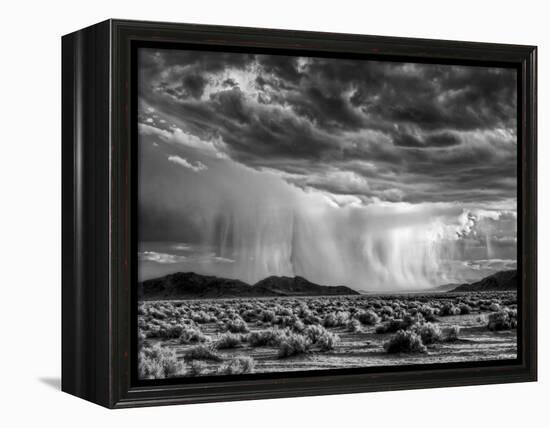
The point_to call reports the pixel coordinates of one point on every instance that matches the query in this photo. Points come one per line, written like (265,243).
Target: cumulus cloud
(163,258)
(197,166)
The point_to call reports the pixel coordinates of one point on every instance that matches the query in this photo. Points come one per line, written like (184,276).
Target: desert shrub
(330,320)
(405,341)
(481,319)
(156,313)
(299,326)
(142,323)
(314,320)
(428,313)
(284,312)
(391,326)
(156,362)
(320,336)
(286,321)
(196,368)
(237,325)
(202,352)
(228,340)
(151,330)
(494,307)
(342,317)
(187,322)
(249,315)
(270,337)
(237,365)
(166,331)
(386,310)
(303,311)
(202,317)
(502,320)
(230,313)
(309,316)
(293,344)
(368,317)
(327,341)
(353,326)
(314,332)
(192,335)
(410,320)
(451,334)
(429,333)
(268,316)
(141,337)
(449,309)
(464,309)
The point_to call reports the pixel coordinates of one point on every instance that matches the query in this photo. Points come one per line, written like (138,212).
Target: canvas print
(302,213)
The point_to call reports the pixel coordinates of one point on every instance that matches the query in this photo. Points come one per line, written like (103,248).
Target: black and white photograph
(294,213)
(301,213)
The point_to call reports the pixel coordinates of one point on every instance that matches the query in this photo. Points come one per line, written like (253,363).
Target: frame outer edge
(86,334)
(69,346)
(115,390)
(532,126)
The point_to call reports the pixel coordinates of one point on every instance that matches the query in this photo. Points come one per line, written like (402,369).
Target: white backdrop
(30,213)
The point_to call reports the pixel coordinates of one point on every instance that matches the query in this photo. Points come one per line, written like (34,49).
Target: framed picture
(253,213)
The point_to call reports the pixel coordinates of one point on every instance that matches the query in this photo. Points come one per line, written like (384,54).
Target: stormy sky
(377,175)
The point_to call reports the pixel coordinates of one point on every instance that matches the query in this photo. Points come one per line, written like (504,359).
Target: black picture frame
(99,208)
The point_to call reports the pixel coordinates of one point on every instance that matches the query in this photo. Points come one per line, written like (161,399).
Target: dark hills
(506,280)
(190,285)
(295,286)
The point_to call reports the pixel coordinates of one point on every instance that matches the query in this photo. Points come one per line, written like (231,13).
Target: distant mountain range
(506,280)
(190,285)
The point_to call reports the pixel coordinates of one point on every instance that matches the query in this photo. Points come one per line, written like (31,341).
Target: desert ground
(183,338)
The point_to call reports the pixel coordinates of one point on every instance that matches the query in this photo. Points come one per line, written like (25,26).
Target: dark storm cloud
(231,104)
(194,84)
(284,68)
(444,139)
(152,61)
(428,133)
(230,83)
(428,96)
